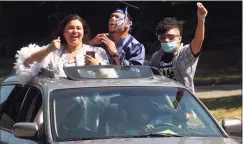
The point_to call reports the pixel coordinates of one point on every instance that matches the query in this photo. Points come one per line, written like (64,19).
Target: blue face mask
(168,47)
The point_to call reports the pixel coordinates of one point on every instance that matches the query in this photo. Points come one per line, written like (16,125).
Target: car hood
(170,140)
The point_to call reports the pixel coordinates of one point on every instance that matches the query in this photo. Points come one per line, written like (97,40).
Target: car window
(10,107)
(30,105)
(21,104)
(127,111)
(5,92)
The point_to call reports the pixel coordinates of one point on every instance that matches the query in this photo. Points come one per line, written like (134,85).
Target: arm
(196,43)
(102,58)
(136,53)
(117,60)
(137,56)
(165,109)
(179,114)
(37,56)
(154,59)
(25,73)
(29,60)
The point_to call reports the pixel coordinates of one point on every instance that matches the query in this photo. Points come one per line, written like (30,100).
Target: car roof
(61,83)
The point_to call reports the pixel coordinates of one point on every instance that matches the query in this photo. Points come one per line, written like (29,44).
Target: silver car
(107,104)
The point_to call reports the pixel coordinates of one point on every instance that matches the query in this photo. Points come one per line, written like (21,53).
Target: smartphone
(90,53)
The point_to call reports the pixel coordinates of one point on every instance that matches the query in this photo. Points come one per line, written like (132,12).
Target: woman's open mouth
(77,36)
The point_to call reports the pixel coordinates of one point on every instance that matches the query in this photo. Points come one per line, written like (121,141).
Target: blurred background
(27,22)
(23,22)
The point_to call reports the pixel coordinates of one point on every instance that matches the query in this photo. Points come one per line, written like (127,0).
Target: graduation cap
(128,10)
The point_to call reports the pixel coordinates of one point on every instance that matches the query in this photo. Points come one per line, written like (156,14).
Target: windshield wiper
(130,136)
(156,135)
(93,138)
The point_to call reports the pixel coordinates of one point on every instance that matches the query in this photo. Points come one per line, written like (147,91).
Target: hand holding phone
(90,53)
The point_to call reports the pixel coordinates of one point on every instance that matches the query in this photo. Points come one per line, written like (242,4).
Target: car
(107,104)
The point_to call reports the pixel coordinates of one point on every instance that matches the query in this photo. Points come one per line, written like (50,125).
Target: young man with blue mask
(175,60)
(121,47)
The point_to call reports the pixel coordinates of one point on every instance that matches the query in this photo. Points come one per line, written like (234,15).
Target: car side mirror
(25,130)
(232,125)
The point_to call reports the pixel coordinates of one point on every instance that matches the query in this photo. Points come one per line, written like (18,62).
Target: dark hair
(59,31)
(169,23)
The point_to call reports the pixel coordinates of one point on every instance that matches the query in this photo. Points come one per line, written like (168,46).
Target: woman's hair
(60,29)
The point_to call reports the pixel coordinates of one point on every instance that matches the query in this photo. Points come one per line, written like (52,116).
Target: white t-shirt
(59,59)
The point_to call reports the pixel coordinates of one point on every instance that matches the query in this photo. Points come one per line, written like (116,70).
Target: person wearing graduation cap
(175,60)
(121,47)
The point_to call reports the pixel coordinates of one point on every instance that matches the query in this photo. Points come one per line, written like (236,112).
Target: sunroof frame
(73,74)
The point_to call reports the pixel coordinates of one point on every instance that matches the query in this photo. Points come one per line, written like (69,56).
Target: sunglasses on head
(169,36)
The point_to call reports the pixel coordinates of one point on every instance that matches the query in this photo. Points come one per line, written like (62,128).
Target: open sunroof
(108,72)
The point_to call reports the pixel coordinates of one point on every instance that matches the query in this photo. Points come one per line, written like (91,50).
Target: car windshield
(105,112)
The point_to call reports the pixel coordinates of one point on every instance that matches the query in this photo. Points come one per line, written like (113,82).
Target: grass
(226,107)
(219,77)
(220,114)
